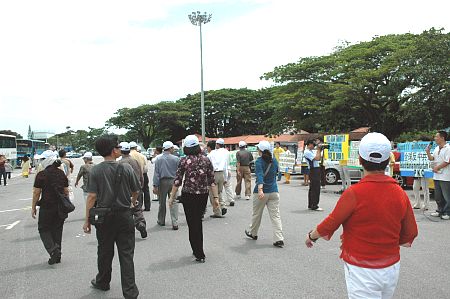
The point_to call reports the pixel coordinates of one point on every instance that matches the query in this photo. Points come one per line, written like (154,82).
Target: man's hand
(260,194)
(171,201)
(33,212)
(308,242)
(428,149)
(155,190)
(87,227)
(436,169)
(76,184)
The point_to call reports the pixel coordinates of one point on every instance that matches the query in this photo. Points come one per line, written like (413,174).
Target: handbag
(65,205)
(97,215)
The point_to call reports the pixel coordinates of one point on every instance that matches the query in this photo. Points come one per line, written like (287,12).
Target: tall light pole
(198,19)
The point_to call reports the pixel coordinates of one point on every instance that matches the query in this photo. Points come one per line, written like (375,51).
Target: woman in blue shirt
(266,194)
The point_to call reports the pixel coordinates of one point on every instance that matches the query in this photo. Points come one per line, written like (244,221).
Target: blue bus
(26,147)
(8,148)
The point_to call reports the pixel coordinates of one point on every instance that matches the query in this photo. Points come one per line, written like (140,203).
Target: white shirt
(219,159)
(440,157)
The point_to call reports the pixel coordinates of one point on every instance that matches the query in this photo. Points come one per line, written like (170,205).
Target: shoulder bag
(97,215)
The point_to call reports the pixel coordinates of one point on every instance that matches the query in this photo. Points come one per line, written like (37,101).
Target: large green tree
(228,112)
(377,83)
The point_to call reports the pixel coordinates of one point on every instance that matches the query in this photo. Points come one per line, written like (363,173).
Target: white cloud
(74,63)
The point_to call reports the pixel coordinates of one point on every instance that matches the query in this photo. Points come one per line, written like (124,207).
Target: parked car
(333,172)
(73,155)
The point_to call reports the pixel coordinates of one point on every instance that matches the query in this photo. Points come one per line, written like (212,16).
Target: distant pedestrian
(139,219)
(3,170)
(323,177)
(377,219)
(266,194)
(156,154)
(243,160)
(25,166)
(67,165)
(277,151)
(440,159)
(145,188)
(51,220)
(313,157)
(8,169)
(287,174)
(115,187)
(84,173)
(198,174)
(219,157)
(163,178)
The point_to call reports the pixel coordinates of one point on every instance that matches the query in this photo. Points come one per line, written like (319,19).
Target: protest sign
(286,163)
(338,147)
(414,160)
(353,155)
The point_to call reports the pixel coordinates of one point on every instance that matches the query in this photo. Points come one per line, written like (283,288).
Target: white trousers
(366,283)
(421,183)
(228,191)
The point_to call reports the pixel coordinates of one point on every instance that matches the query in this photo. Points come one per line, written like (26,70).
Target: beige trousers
(272,201)
(244,173)
(219,180)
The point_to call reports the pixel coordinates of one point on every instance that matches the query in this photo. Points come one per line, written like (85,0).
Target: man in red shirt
(377,219)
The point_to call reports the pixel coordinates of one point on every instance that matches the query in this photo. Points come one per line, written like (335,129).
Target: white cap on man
(87,155)
(191,141)
(167,145)
(48,154)
(133,144)
(124,146)
(242,144)
(220,141)
(263,145)
(375,147)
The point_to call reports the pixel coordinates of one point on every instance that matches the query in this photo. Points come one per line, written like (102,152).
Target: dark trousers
(2,174)
(323,179)
(146,191)
(118,228)
(314,188)
(50,227)
(139,219)
(194,205)
(442,196)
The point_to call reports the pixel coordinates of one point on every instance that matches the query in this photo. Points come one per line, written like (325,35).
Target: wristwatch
(312,240)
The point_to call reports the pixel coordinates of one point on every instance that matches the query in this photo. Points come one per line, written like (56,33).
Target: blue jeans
(442,196)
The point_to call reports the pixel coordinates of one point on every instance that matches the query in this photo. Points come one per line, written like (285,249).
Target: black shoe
(200,260)
(147,210)
(55,257)
(224,211)
(97,286)
(216,216)
(232,204)
(278,244)
(250,235)
(143,232)
(175,227)
(160,224)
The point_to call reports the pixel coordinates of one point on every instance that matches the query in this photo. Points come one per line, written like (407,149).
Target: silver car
(333,172)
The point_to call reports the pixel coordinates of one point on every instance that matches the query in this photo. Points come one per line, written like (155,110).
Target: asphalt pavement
(236,267)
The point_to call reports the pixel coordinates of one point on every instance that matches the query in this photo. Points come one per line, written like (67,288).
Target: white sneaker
(318,209)
(247,197)
(445,217)
(435,214)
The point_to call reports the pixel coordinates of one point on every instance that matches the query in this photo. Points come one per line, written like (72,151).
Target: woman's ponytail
(267,156)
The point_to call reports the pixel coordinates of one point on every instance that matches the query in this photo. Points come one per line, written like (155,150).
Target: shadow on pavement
(250,245)
(36,267)
(172,264)
(35,238)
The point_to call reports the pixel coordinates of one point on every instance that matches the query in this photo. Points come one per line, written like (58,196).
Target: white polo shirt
(219,159)
(440,156)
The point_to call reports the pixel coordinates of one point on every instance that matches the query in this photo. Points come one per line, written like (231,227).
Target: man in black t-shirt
(118,191)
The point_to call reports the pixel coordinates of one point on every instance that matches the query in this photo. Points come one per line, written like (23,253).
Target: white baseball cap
(87,155)
(167,145)
(133,144)
(139,148)
(124,146)
(375,143)
(263,145)
(220,141)
(48,154)
(242,143)
(176,147)
(191,141)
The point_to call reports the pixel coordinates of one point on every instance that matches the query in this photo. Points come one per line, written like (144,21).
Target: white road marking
(12,224)
(13,210)
(9,226)
(25,199)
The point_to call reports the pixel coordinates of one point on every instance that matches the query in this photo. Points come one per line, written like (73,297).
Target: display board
(414,160)
(286,163)
(353,155)
(338,147)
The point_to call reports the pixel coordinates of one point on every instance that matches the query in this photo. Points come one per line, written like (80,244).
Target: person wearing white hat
(266,194)
(196,174)
(48,157)
(377,218)
(220,161)
(163,177)
(313,157)
(243,160)
(84,173)
(139,219)
(144,200)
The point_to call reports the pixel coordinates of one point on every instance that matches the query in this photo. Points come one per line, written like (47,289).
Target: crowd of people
(370,245)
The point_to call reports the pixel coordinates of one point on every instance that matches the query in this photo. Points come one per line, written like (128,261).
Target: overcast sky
(74,63)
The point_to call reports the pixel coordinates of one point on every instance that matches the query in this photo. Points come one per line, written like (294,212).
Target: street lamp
(198,19)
